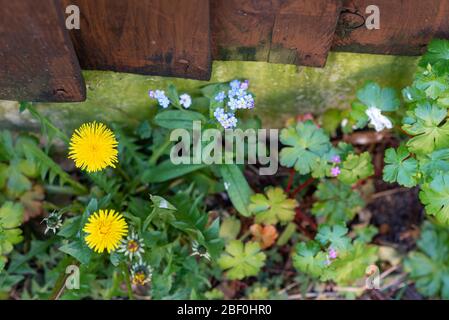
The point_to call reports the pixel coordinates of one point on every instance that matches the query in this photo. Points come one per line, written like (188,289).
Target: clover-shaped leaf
(306,144)
(399,167)
(429,128)
(372,95)
(241,260)
(435,197)
(355,168)
(335,236)
(336,201)
(273,207)
(309,258)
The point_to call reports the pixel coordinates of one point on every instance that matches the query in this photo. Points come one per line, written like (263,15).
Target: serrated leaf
(430,130)
(428,266)
(435,197)
(399,167)
(309,258)
(241,260)
(336,202)
(437,55)
(335,236)
(273,207)
(355,168)
(306,144)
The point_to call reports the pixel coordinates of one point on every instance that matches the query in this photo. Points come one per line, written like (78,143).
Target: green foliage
(237,187)
(306,145)
(372,95)
(242,260)
(336,202)
(273,207)
(11,215)
(400,167)
(352,257)
(355,168)
(428,266)
(435,197)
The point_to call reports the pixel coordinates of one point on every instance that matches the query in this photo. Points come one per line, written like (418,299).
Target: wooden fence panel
(281,31)
(159,37)
(406,26)
(37,61)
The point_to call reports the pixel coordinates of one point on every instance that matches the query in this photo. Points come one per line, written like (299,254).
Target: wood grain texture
(303,31)
(281,31)
(157,37)
(406,26)
(37,61)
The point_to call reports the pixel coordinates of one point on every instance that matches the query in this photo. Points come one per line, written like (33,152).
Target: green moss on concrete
(281,90)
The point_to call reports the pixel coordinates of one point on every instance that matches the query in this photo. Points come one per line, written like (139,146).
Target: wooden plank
(37,61)
(303,31)
(281,31)
(241,29)
(405,26)
(158,37)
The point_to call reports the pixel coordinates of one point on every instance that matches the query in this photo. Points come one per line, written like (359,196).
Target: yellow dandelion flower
(105,230)
(93,147)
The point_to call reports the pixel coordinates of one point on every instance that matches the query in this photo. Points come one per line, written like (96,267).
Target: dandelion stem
(128,281)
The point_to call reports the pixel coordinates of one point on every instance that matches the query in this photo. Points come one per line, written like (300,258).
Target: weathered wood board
(158,37)
(406,26)
(37,61)
(281,31)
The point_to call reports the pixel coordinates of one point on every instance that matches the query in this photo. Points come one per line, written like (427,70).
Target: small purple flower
(244,85)
(336,159)
(160,96)
(335,171)
(185,100)
(333,253)
(151,94)
(220,96)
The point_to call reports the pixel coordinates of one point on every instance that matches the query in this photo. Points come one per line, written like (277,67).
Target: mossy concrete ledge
(281,90)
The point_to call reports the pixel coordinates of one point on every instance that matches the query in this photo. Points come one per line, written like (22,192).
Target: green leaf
(435,197)
(372,95)
(400,168)
(335,236)
(351,266)
(309,258)
(336,202)
(77,249)
(435,163)
(230,228)
(241,260)
(355,168)
(178,119)
(273,207)
(166,171)
(288,232)
(11,217)
(428,266)
(431,83)
(430,130)
(306,144)
(437,55)
(237,188)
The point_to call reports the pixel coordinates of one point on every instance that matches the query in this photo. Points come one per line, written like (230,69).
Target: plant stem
(59,287)
(128,281)
(155,156)
(290,180)
(302,187)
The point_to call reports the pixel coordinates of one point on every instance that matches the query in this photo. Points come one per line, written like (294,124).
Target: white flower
(185,100)
(132,246)
(198,250)
(378,120)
